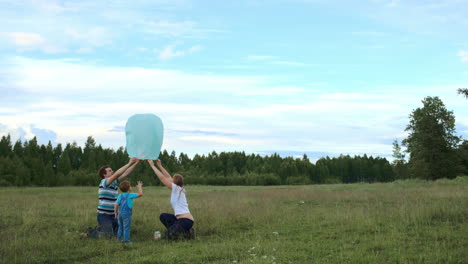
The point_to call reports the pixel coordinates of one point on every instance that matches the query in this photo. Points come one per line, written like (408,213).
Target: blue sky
(288,76)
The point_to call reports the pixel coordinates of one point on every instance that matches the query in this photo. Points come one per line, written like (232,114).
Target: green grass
(400,222)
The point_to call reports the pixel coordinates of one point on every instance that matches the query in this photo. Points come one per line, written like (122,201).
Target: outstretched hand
(150,162)
(133,160)
(139,183)
(158,162)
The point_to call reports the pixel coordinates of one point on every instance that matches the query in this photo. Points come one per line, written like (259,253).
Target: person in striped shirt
(108,195)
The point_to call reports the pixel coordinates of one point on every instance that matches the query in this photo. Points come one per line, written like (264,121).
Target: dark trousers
(175,227)
(108,224)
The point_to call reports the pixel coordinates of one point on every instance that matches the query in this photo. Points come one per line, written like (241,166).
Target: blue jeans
(107,224)
(125,222)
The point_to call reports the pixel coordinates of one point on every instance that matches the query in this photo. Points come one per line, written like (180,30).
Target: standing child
(125,204)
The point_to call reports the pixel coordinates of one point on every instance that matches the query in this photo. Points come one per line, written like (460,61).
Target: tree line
(435,151)
(30,164)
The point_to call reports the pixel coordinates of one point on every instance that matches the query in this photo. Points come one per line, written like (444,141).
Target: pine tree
(89,162)
(64,164)
(18,148)
(5,146)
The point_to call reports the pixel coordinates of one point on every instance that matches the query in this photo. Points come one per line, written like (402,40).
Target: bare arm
(140,189)
(166,180)
(116,210)
(129,170)
(163,170)
(120,171)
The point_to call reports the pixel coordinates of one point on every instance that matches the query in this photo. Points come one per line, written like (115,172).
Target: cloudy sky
(321,77)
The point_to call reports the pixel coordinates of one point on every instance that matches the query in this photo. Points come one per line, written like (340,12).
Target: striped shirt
(107,197)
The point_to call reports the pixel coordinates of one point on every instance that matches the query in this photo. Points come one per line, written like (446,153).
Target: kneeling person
(108,195)
(180,223)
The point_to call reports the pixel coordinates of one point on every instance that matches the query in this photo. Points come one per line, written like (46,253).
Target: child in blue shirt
(125,204)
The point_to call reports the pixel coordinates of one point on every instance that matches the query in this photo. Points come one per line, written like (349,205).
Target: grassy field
(400,222)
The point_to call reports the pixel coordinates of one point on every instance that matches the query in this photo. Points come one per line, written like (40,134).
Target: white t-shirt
(178,200)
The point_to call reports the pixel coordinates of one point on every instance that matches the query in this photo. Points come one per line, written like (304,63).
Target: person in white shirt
(181,222)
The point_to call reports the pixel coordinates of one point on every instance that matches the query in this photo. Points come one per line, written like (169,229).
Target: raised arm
(129,170)
(140,189)
(120,171)
(165,179)
(163,170)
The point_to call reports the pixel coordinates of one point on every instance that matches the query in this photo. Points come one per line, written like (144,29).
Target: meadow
(410,221)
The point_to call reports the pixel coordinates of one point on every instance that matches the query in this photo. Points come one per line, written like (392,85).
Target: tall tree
(5,145)
(18,148)
(57,153)
(432,140)
(399,163)
(31,148)
(89,155)
(64,163)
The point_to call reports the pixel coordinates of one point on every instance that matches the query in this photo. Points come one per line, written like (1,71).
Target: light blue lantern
(144,134)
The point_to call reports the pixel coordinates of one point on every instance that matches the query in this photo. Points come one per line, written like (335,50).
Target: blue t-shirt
(129,196)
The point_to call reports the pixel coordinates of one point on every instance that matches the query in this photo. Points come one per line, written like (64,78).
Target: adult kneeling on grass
(180,223)
(108,195)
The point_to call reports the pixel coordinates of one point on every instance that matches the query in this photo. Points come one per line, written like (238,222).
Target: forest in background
(28,163)
(435,151)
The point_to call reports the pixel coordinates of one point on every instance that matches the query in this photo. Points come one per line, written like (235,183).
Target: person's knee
(106,224)
(164,217)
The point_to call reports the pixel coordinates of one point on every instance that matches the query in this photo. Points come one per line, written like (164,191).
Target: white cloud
(23,39)
(66,78)
(169,52)
(463,55)
(27,41)
(194,49)
(61,26)
(76,99)
(95,36)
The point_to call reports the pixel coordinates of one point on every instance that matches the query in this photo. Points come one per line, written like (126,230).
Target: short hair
(102,171)
(124,186)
